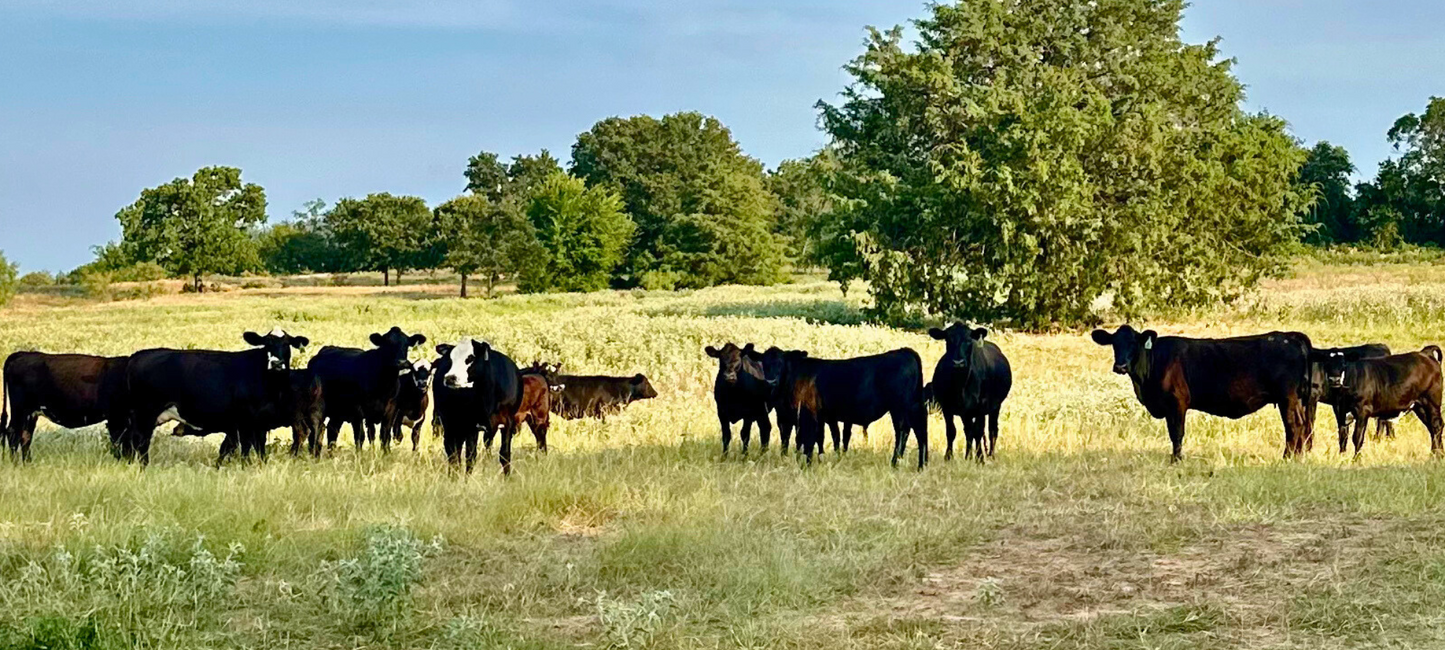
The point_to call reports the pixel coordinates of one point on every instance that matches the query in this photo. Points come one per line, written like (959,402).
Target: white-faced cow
(236,393)
(361,384)
(71,390)
(1387,387)
(1231,378)
(970,382)
(480,390)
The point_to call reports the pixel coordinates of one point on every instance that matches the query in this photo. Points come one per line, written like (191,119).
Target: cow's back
(1233,377)
(863,389)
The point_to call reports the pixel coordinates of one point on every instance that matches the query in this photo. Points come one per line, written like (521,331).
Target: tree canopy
(195,226)
(1030,157)
(703,212)
(1326,172)
(582,233)
(8,280)
(478,236)
(383,232)
(1406,200)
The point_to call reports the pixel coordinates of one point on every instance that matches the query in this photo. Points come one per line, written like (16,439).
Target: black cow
(361,384)
(480,390)
(594,396)
(236,393)
(1326,393)
(409,408)
(970,382)
(302,408)
(860,390)
(741,393)
(1387,387)
(1230,378)
(71,390)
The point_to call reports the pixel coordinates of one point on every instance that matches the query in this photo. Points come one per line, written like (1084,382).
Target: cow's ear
(980,333)
(377,339)
(418,339)
(937,334)
(1102,337)
(1148,339)
(749,349)
(485,349)
(637,379)
(713,352)
(444,349)
(299,342)
(557,388)
(252,338)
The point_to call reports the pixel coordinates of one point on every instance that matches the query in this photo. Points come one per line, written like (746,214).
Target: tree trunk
(385,277)
(398,277)
(491,283)
(464,285)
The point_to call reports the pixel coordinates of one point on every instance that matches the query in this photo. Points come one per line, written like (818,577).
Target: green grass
(633,533)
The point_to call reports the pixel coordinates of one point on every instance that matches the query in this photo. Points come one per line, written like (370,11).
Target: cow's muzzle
(1120,369)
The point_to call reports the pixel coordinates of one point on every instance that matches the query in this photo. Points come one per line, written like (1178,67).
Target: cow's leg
(1175,422)
(333,431)
(1294,413)
(388,425)
(747,433)
(451,443)
(847,436)
(1342,420)
(810,432)
(489,434)
(259,438)
(1385,428)
(504,453)
(228,447)
(837,436)
(1429,414)
(900,442)
(471,443)
(1362,422)
(539,431)
(950,432)
(416,436)
(727,432)
(976,437)
(787,421)
(298,432)
(358,431)
(992,431)
(765,431)
(24,436)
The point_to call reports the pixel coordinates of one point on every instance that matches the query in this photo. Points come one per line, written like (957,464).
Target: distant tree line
(646,202)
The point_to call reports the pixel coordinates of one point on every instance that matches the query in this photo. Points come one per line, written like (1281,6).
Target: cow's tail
(1434,352)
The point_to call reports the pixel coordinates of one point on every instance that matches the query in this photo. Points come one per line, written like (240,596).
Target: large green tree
(801,187)
(195,226)
(582,233)
(488,176)
(1030,160)
(383,232)
(1326,172)
(478,236)
(703,212)
(1407,197)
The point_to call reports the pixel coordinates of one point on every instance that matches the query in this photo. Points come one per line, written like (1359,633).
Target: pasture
(633,533)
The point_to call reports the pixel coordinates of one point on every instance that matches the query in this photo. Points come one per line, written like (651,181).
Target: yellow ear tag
(1149,345)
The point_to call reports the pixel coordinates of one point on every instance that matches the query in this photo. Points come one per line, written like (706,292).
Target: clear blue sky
(331,98)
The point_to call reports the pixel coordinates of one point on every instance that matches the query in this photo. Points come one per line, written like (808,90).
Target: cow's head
(278,346)
(549,373)
(461,359)
(420,375)
(641,387)
(733,361)
(1332,364)
(396,344)
(962,343)
(1131,348)
(775,363)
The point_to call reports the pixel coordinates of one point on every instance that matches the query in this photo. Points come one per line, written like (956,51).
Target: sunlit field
(633,532)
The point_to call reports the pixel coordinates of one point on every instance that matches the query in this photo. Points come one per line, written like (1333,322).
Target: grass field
(632,532)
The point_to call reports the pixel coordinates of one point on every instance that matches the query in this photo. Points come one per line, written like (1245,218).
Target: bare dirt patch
(1023,582)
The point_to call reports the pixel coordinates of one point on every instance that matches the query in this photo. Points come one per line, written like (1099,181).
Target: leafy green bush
(8,280)
(375,586)
(151,595)
(37,279)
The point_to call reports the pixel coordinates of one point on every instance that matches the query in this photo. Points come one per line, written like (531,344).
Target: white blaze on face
(272,360)
(458,376)
(423,368)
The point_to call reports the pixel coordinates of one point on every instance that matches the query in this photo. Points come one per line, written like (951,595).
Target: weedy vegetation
(633,533)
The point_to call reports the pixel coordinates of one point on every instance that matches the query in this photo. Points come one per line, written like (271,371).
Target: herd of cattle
(479,391)
(246,394)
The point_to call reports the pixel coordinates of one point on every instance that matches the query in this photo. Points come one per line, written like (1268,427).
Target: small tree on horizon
(477,236)
(384,232)
(196,226)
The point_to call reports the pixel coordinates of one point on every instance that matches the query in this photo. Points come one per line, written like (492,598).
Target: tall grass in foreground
(632,533)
